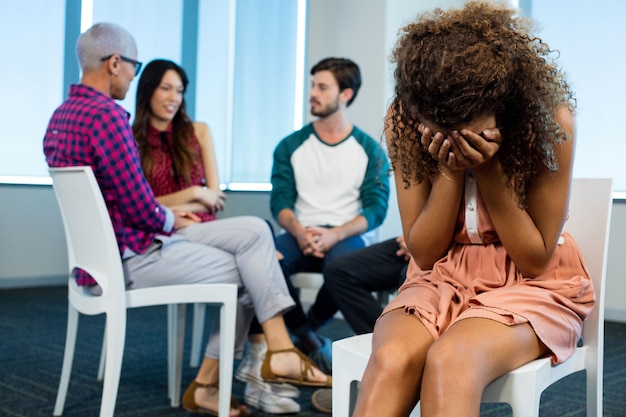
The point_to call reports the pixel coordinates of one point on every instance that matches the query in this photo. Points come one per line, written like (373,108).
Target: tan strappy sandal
(306,369)
(189,401)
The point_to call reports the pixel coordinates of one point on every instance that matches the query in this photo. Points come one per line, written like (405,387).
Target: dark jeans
(350,280)
(324,308)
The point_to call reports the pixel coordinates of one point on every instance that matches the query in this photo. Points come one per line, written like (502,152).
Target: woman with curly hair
(481,139)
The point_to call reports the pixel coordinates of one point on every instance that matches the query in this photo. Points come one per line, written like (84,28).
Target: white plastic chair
(92,247)
(589,221)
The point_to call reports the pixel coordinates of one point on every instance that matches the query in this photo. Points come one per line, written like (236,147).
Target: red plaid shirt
(90,129)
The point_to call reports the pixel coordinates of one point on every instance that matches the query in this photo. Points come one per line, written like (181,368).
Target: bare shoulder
(203,132)
(200,128)
(565,118)
(565,149)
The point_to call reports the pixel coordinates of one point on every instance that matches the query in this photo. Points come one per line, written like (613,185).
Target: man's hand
(306,242)
(403,251)
(184,219)
(322,239)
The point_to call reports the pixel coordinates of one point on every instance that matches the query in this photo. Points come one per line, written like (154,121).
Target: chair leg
(172,318)
(68,359)
(354,392)
(103,356)
(115,339)
(199,314)
(176,314)
(594,389)
(228,312)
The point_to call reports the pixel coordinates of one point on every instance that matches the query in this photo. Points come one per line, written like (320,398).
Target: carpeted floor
(32,337)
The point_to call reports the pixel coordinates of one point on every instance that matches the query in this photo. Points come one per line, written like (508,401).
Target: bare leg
(256,338)
(466,358)
(392,379)
(287,363)
(209,371)
(207,398)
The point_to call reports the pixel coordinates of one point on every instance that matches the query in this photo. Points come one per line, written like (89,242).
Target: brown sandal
(305,370)
(189,401)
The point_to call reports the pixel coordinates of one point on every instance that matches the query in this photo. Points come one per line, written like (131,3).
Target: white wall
(32,242)
(579,30)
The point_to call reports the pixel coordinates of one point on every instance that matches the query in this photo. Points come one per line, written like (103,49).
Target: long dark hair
(183,156)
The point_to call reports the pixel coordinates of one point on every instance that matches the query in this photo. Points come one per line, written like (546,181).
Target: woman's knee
(452,359)
(442,352)
(396,357)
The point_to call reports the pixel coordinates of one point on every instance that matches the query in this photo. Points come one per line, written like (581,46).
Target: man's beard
(326,111)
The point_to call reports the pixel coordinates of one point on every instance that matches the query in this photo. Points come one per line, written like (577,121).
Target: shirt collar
(85,90)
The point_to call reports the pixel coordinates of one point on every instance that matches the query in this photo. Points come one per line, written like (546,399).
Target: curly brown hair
(455,65)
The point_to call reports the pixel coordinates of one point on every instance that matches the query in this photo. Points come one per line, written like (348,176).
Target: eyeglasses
(136,63)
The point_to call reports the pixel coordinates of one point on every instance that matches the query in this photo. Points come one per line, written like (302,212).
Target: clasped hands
(461,149)
(316,241)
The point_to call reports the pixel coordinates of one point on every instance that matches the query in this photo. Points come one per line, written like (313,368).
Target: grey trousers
(237,250)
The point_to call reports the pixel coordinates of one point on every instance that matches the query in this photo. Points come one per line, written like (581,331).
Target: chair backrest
(589,222)
(91,241)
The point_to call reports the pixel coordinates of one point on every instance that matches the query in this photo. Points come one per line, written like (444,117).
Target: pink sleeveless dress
(477,279)
(163,178)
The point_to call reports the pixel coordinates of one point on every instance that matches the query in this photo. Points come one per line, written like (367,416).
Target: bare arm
(184,198)
(428,212)
(530,236)
(197,198)
(207,149)
(354,227)
(287,220)
(212,195)
(192,207)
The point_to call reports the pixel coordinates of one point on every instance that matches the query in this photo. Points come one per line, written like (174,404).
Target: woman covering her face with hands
(481,139)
